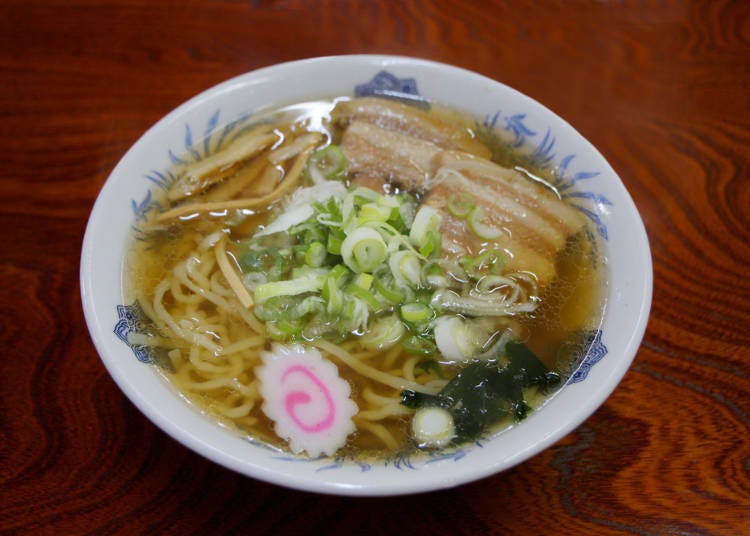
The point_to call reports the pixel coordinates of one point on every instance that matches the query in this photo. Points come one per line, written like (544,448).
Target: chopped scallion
(433,427)
(373,212)
(315,255)
(479,226)
(363,250)
(390,294)
(383,333)
(364,296)
(363,280)
(416,312)
(406,268)
(291,287)
(426,221)
(461,205)
(334,244)
(326,164)
(419,345)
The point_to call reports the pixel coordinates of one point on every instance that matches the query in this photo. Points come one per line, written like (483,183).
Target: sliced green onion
(329,213)
(331,291)
(416,312)
(433,427)
(461,205)
(290,328)
(339,272)
(480,227)
(348,214)
(334,243)
(333,295)
(492,260)
(311,304)
(434,275)
(363,280)
(419,345)
(390,201)
(454,339)
(355,315)
(309,232)
(373,212)
(406,268)
(291,287)
(383,333)
(397,241)
(269,261)
(316,254)
(276,333)
(427,220)
(326,164)
(391,295)
(433,244)
(364,194)
(253,279)
(363,295)
(363,250)
(406,211)
(304,270)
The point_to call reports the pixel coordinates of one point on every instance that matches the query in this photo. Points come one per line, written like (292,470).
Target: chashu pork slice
(535,223)
(398,117)
(379,156)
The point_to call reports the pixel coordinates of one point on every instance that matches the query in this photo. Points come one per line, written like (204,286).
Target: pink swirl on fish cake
(295,398)
(306,399)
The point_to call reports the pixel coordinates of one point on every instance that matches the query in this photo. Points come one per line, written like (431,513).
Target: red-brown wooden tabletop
(661,88)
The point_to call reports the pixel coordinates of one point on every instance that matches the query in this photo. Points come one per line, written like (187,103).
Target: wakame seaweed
(484,393)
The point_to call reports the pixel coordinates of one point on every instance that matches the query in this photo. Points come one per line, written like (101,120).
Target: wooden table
(662,88)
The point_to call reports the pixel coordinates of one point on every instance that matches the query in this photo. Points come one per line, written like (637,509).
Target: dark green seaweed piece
(525,363)
(483,393)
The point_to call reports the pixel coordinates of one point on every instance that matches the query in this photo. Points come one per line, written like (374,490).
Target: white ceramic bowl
(597,189)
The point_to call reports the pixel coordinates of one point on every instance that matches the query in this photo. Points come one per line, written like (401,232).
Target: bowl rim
(427,480)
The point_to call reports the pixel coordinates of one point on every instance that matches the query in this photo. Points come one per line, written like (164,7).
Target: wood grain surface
(662,88)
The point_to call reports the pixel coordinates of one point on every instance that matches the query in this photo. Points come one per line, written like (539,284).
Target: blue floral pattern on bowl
(385,84)
(131,320)
(514,124)
(594,353)
(543,155)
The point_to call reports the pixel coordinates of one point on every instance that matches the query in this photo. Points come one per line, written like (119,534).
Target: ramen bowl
(584,175)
